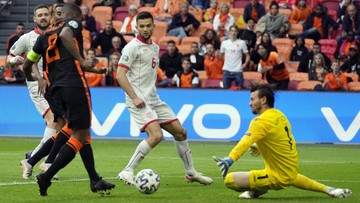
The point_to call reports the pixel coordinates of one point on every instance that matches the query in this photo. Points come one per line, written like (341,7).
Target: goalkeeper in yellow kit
(270,135)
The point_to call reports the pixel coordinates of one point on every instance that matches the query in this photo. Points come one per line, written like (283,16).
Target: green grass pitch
(335,165)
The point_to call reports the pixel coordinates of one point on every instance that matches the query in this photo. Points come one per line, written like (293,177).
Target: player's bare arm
(67,36)
(124,83)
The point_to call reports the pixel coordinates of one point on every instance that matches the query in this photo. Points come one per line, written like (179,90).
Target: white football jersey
(142,61)
(24,45)
(233,54)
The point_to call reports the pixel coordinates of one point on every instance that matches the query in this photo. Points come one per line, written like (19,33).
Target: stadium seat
(331,4)
(354,86)
(90,3)
(117,24)
(197,14)
(285,11)
(148,9)
(240,3)
(102,14)
(186,41)
(163,49)
(213,84)
(154,39)
(164,40)
(236,13)
(202,77)
(284,47)
(328,47)
(251,77)
(295,78)
(128,38)
(202,28)
(292,66)
(353,76)
(307,85)
(121,13)
(160,30)
(184,49)
(295,29)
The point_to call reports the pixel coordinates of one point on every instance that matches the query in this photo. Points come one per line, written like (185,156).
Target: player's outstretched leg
(252,194)
(26,168)
(43,184)
(127,176)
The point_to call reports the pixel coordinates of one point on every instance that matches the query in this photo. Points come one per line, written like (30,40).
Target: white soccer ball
(147,181)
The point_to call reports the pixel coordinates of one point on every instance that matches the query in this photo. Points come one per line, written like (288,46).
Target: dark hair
(74,8)
(185,58)
(273,3)
(39,7)
(317,43)
(265,90)
(90,49)
(20,24)
(237,29)
(59,5)
(251,19)
(144,15)
(171,42)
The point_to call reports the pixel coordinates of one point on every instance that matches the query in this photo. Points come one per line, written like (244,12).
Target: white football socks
(48,133)
(185,154)
(140,152)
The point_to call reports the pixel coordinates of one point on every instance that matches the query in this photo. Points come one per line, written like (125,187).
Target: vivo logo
(231,129)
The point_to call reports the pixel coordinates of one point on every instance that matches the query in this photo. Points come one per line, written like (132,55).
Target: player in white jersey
(137,76)
(22,46)
(233,49)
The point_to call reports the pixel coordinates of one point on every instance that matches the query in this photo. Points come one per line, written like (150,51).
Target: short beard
(42,27)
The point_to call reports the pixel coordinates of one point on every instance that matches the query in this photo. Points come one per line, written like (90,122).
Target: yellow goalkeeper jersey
(271,131)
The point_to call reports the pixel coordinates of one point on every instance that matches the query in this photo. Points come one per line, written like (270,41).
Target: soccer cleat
(252,194)
(27,169)
(200,178)
(101,186)
(43,184)
(127,176)
(340,193)
(28,155)
(44,167)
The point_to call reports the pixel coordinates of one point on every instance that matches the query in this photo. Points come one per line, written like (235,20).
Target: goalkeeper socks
(140,152)
(66,155)
(43,151)
(61,138)
(185,155)
(306,183)
(87,157)
(48,133)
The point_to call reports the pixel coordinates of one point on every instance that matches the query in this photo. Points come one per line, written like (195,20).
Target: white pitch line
(165,176)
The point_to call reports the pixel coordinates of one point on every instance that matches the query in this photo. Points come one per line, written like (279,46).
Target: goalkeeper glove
(224,164)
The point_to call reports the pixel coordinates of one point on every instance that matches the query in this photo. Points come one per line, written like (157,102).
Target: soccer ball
(147,181)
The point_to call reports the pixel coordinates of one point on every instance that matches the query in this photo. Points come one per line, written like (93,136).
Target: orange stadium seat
(121,13)
(148,9)
(285,11)
(129,2)
(308,85)
(292,66)
(160,30)
(102,14)
(186,41)
(202,77)
(353,76)
(296,78)
(164,40)
(184,49)
(213,83)
(240,3)
(128,38)
(284,47)
(117,24)
(90,3)
(251,77)
(295,29)
(202,28)
(354,86)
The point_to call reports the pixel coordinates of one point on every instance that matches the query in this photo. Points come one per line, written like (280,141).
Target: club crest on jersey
(73,24)
(124,58)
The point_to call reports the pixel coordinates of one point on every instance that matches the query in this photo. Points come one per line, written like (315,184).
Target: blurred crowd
(292,44)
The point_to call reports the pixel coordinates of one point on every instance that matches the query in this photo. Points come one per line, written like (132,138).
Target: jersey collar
(37,31)
(143,40)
